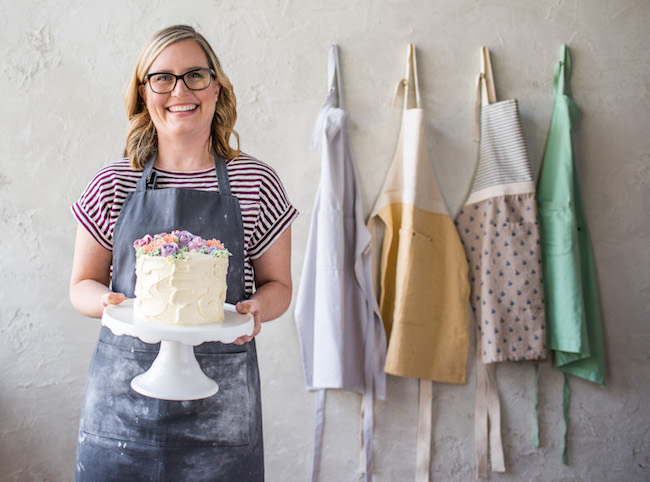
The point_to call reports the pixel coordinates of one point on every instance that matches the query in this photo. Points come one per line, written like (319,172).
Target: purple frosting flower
(168,249)
(184,237)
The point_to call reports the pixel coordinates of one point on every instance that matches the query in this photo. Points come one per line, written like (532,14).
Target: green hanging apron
(574,330)
(572,309)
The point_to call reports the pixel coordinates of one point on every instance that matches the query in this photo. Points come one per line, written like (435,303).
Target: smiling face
(182,113)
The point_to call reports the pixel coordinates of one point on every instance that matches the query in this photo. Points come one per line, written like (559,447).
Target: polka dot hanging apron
(500,232)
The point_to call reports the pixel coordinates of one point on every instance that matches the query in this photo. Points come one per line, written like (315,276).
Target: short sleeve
(276,213)
(100,203)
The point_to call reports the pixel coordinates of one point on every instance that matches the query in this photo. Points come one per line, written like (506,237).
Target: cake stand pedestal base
(175,375)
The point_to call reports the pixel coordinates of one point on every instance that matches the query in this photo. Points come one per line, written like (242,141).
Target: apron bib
(126,436)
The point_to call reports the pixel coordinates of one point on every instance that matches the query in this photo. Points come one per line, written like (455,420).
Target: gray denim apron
(125,436)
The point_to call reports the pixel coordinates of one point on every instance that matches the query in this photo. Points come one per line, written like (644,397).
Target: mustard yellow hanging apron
(422,271)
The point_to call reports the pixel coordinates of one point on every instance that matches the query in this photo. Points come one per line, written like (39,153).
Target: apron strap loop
(334,76)
(151,180)
(334,97)
(562,72)
(485,90)
(409,84)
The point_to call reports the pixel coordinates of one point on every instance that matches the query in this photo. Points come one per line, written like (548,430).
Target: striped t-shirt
(265,208)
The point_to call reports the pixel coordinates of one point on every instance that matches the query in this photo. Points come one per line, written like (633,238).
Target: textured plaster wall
(63,66)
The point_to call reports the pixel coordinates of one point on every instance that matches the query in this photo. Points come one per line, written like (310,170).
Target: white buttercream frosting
(186,291)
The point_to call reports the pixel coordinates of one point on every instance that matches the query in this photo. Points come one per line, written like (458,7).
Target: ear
(142,91)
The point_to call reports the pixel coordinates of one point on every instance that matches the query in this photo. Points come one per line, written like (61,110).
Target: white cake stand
(175,374)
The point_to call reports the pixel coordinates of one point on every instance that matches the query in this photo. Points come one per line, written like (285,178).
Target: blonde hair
(141,140)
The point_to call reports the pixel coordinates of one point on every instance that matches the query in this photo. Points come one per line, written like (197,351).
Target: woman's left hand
(251,306)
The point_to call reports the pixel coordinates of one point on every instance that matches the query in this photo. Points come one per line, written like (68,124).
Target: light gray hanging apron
(342,338)
(126,436)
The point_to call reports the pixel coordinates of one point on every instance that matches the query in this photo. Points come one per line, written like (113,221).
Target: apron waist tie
(566,401)
(367,415)
(425,426)
(487,420)
(318,433)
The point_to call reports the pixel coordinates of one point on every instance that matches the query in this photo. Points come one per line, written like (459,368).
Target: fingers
(113,298)
(247,338)
(247,306)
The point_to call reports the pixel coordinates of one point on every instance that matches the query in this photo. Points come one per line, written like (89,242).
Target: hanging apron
(342,339)
(424,288)
(126,436)
(572,304)
(500,232)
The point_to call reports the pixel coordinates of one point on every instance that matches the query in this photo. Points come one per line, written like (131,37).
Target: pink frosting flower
(138,243)
(168,249)
(196,243)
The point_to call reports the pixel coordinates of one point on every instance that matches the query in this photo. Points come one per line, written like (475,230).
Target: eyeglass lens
(164,83)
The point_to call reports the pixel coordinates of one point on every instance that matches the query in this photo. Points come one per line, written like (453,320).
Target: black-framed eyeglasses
(165,82)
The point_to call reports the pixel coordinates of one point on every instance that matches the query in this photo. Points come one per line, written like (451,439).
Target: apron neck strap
(334,77)
(149,176)
(409,84)
(222,174)
(562,84)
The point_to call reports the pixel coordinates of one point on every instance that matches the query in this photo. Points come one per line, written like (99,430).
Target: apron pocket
(558,227)
(113,409)
(413,282)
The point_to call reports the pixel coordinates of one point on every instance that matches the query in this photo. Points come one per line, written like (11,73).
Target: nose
(180,84)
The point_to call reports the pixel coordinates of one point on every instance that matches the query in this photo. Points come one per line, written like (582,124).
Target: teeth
(181,108)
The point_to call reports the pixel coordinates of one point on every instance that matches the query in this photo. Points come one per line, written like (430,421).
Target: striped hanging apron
(500,231)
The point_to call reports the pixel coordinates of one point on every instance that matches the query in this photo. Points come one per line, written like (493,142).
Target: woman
(179,172)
